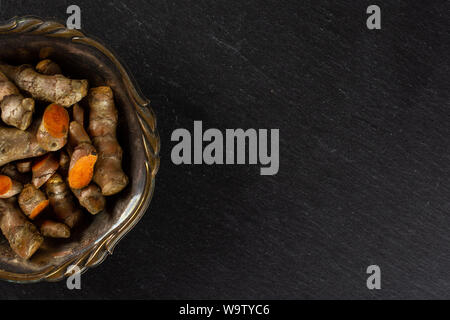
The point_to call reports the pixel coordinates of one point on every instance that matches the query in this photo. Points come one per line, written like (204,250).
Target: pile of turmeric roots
(56,160)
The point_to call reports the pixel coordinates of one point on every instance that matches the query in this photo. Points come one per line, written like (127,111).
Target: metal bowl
(28,39)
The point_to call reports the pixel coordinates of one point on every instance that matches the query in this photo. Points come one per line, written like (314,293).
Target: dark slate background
(364,149)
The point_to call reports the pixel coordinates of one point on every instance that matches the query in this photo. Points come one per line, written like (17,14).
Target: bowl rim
(98,251)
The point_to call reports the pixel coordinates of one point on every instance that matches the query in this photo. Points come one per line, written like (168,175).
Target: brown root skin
(53,131)
(16,110)
(91,198)
(64,162)
(77,135)
(24,166)
(43,169)
(9,187)
(53,229)
(103,118)
(78,114)
(32,201)
(16,144)
(48,67)
(51,88)
(22,235)
(7,88)
(62,201)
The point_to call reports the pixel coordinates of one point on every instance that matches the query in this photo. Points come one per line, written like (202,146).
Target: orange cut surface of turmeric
(5,184)
(40,162)
(80,175)
(38,209)
(56,120)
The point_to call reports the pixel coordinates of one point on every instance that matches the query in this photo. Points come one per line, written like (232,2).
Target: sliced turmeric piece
(54,128)
(9,187)
(11,171)
(38,209)
(82,170)
(43,169)
(32,201)
(5,184)
(84,157)
(56,120)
